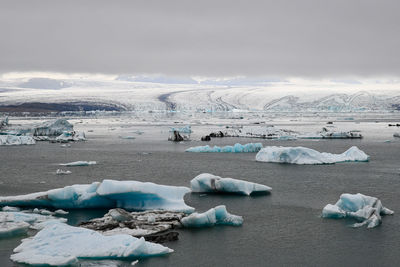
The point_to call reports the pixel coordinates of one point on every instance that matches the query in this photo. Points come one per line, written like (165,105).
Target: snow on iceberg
(237,148)
(13,140)
(78,163)
(206,182)
(131,195)
(365,209)
(60,244)
(214,216)
(303,155)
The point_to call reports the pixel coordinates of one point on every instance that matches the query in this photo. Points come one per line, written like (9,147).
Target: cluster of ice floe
(237,148)
(365,209)
(13,140)
(303,155)
(206,182)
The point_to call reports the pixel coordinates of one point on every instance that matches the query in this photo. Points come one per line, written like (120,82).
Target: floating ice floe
(206,182)
(237,148)
(214,216)
(326,133)
(15,222)
(62,172)
(60,244)
(71,136)
(264,132)
(153,225)
(365,209)
(13,140)
(78,163)
(303,155)
(131,195)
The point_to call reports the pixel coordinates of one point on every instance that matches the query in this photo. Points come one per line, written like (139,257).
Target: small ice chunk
(206,182)
(78,163)
(214,216)
(8,208)
(365,209)
(62,172)
(61,212)
(303,155)
(61,244)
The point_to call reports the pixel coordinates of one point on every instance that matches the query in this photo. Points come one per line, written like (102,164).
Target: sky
(312,39)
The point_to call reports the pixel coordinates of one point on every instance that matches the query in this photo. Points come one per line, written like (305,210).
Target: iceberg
(16,223)
(71,136)
(62,172)
(60,244)
(237,148)
(186,129)
(53,128)
(365,209)
(206,182)
(218,215)
(13,140)
(78,163)
(152,225)
(303,155)
(131,195)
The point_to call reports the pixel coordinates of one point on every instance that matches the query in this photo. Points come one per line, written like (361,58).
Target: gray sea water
(280,229)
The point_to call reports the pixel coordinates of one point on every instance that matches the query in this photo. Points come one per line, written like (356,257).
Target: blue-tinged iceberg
(303,155)
(237,148)
(59,244)
(13,140)
(131,195)
(206,182)
(214,216)
(365,209)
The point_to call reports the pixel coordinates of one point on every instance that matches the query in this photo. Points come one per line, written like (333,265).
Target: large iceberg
(214,216)
(366,209)
(206,182)
(59,244)
(237,148)
(131,195)
(13,140)
(53,128)
(303,155)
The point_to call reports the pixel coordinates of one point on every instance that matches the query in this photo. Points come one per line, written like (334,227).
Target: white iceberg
(206,182)
(62,172)
(214,216)
(366,209)
(303,155)
(78,163)
(15,223)
(237,148)
(13,140)
(60,244)
(131,195)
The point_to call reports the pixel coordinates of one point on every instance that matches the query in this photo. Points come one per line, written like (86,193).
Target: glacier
(131,195)
(59,244)
(365,209)
(214,216)
(237,148)
(13,140)
(206,182)
(303,155)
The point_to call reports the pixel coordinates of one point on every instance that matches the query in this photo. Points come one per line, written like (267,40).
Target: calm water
(281,229)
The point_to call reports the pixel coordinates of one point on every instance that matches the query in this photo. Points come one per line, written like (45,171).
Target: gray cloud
(208,37)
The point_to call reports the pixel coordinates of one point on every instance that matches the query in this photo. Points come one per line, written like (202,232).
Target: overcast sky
(205,37)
